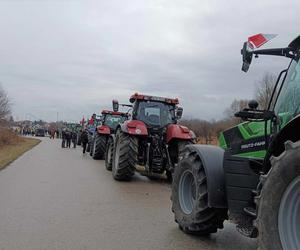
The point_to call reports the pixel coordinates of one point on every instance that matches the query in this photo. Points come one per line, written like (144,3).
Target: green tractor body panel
(247,139)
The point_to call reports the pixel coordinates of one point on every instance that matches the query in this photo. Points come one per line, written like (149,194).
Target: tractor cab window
(112,121)
(155,113)
(288,102)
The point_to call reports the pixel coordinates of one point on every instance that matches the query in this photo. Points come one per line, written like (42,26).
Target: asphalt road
(53,198)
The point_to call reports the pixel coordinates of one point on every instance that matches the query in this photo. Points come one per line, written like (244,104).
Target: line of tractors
(252,178)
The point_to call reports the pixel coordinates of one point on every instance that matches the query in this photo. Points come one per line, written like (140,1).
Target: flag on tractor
(258,40)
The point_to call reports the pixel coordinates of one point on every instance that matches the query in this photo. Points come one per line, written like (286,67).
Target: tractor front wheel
(125,156)
(190,198)
(278,219)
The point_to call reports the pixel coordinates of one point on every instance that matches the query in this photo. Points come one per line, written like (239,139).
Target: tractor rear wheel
(109,154)
(278,219)
(125,156)
(99,146)
(190,198)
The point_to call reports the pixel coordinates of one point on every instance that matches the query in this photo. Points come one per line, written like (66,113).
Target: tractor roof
(109,112)
(137,96)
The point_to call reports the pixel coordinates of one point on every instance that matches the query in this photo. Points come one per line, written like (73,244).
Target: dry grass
(12,146)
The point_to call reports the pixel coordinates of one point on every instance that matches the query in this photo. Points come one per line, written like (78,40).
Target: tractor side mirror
(253,105)
(115,105)
(247,55)
(179,112)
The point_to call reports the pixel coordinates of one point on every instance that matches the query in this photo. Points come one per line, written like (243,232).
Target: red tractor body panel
(175,131)
(137,96)
(134,127)
(103,129)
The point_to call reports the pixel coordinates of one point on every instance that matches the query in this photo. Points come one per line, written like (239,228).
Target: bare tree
(236,106)
(264,90)
(4,105)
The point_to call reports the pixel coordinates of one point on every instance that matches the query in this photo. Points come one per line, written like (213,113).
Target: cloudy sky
(73,57)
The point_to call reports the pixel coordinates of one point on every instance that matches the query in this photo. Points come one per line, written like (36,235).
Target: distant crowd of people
(71,137)
(68,137)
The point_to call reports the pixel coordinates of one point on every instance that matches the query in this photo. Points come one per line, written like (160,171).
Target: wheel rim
(289,216)
(187,192)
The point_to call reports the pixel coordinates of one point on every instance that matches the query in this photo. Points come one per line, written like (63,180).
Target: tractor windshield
(112,121)
(288,102)
(155,113)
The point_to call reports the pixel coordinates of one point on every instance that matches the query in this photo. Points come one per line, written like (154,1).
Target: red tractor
(109,123)
(150,138)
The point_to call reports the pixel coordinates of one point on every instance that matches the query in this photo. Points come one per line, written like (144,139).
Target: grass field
(9,153)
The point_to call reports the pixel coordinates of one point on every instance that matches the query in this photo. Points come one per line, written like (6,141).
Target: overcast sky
(75,56)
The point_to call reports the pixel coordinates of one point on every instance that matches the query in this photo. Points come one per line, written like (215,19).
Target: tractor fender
(103,130)
(212,160)
(175,131)
(134,127)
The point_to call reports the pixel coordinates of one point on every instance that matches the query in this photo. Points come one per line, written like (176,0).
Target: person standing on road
(63,137)
(84,139)
(68,137)
(74,139)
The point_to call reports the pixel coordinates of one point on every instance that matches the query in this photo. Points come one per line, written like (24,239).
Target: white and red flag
(258,40)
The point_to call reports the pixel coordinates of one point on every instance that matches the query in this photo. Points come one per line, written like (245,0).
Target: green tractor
(253,178)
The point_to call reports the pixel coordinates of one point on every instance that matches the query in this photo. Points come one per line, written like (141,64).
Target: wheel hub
(289,216)
(187,192)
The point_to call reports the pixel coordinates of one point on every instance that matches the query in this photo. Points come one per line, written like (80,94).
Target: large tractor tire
(176,151)
(99,147)
(109,154)
(125,156)
(190,198)
(278,219)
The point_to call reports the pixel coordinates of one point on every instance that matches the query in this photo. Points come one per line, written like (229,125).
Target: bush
(8,137)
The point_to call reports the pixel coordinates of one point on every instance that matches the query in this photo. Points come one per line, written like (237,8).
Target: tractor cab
(284,106)
(111,119)
(155,111)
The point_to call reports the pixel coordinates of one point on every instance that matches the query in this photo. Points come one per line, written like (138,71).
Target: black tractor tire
(190,198)
(176,151)
(109,154)
(99,147)
(278,204)
(125,156)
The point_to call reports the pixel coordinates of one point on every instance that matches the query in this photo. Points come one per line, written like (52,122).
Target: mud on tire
(190,198)
(125,156)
